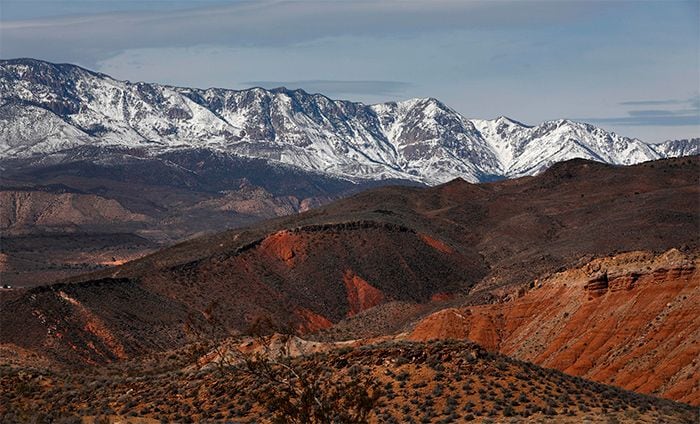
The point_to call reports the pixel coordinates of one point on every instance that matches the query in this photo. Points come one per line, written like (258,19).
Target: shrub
(508,411)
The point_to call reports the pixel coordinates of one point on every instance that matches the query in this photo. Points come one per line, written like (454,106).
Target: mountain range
(149,230)
(47,108)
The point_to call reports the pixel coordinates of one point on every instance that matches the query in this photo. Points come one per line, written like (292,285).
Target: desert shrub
(401,360)
(435,363)
(508,411)
(68,420)
(402,376)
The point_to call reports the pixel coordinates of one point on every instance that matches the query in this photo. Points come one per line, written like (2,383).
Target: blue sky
(629,66)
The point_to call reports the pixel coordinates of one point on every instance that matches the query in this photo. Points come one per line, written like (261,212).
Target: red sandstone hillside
(588,269)
(631,320)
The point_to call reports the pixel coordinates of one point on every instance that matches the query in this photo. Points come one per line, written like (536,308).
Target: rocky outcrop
(284,246)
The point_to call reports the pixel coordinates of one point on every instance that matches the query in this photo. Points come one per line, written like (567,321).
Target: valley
(83,213)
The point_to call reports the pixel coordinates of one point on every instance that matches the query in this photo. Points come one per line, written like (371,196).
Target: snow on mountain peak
(504,120)
(47,107)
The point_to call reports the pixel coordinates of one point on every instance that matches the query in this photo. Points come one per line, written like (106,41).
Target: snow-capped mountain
(678,148)
(45,108)
(525,150)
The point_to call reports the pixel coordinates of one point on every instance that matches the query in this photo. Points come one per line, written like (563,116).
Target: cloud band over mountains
(685,113)
(628,64)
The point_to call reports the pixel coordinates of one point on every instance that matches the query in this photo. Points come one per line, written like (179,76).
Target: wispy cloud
(680,112)
(654,102)
(524,58)
(90,38)
(651,121)
(335,87)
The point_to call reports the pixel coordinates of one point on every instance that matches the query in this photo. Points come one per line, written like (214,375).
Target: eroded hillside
(631,320)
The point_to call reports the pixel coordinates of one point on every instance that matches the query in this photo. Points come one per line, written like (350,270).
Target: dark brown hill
(141,202)
(389,244)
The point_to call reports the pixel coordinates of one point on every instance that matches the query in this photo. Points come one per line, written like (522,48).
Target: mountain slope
(525,150)
(677,148)
(45,108)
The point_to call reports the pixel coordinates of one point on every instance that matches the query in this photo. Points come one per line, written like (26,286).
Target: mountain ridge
(48,107)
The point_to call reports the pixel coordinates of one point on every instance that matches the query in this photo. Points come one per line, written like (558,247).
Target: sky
(631,66)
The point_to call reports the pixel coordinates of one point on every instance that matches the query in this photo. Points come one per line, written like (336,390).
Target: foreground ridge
(431,382)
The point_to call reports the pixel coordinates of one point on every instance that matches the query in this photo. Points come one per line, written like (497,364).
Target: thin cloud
(335,87)
(88,39)
(654,102)
(693,102)
(658,112)
(655,120)
(685,113)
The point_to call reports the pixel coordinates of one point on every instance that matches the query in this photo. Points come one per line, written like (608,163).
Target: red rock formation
(311,321)
(21,210)
(94,325)
(441,297)
(285,246)
(361,294)
(436,244)
(635,324)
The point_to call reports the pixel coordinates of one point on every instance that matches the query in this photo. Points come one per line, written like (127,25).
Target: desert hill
(420,382)
(136,204)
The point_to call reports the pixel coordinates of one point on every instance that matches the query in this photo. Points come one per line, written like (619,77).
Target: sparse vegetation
(346,379)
